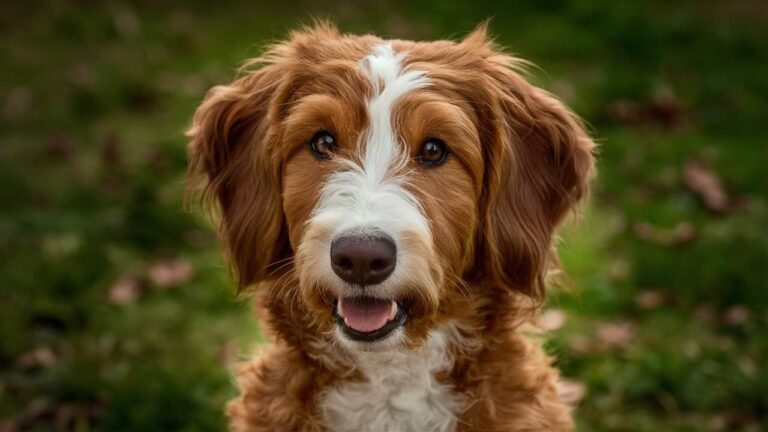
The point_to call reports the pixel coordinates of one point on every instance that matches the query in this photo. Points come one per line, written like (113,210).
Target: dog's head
(378,184)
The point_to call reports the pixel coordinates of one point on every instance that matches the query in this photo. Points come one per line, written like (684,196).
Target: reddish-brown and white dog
(396,203)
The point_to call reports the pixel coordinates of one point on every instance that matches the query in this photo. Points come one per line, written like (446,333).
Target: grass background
(116,311)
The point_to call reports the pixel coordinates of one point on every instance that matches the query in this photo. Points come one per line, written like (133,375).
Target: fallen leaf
(645,231)
(571,391)
(705,183)
(664,108)
(649,299)
(736,315)
(127,23)
(581,345)
(683,233)
(551,319)
(125,290)
(38,357)
(618,334)
(704,313)
(680,235)
(60,145)
(626,112)
(170,273)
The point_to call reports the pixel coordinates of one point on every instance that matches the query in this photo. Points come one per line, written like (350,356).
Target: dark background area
(116,310)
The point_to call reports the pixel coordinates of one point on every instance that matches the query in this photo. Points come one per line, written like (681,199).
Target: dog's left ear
(539,163)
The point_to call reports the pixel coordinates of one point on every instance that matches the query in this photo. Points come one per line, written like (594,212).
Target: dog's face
(380,184)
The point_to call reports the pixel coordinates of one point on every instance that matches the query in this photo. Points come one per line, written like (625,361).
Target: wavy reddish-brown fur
(531,165)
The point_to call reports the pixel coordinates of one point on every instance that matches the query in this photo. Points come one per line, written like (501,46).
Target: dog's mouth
(368,319)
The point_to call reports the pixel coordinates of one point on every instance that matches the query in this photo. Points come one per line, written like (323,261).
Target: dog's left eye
(433,152)
(322,144)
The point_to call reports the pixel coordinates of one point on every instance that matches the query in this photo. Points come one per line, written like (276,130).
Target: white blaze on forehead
(369,195)
(383,69)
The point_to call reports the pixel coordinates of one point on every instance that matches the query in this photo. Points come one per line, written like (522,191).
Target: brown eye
(433,152)
(322,144)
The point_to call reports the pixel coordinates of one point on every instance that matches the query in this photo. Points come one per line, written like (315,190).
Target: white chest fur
(401,394)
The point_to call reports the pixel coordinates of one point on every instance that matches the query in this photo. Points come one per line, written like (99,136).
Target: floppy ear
(232,146)
(539,163)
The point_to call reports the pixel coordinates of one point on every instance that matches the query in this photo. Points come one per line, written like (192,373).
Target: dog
(395,204)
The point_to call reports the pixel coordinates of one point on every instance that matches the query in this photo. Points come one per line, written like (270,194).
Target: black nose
(363,260)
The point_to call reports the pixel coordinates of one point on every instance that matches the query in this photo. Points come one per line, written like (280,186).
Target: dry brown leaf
(704,313)
(125,290)
(736,315)
(551,319)
(664,108)
(649,299)
(127,23)
(60,145)
(38,357)
(705,183)
(645,231)
(680,235)
(581,345)
(683,233)
(170,273)
(571,391)
(618,334)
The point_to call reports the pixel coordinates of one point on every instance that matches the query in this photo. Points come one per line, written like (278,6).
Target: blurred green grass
(116,312)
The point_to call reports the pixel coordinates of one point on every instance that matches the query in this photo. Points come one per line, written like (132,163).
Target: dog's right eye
(322,144)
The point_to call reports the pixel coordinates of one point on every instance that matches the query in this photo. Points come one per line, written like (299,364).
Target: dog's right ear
(232,149)
(539,166)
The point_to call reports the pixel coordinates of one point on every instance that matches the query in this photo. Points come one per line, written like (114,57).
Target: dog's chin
(366,323)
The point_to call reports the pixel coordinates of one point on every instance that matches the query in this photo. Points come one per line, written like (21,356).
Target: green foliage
(665,300)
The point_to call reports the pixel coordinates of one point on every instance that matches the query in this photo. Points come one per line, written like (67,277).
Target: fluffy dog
(395,202)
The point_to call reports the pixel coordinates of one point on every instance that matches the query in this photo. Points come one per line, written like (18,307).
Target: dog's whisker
(290,258)
(282,266)
(284,280)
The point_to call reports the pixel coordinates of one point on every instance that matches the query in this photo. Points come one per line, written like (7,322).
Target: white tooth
(338,308)
(393,310)
(346,322)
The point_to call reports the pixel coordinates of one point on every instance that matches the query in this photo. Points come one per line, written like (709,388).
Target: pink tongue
(366,315)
